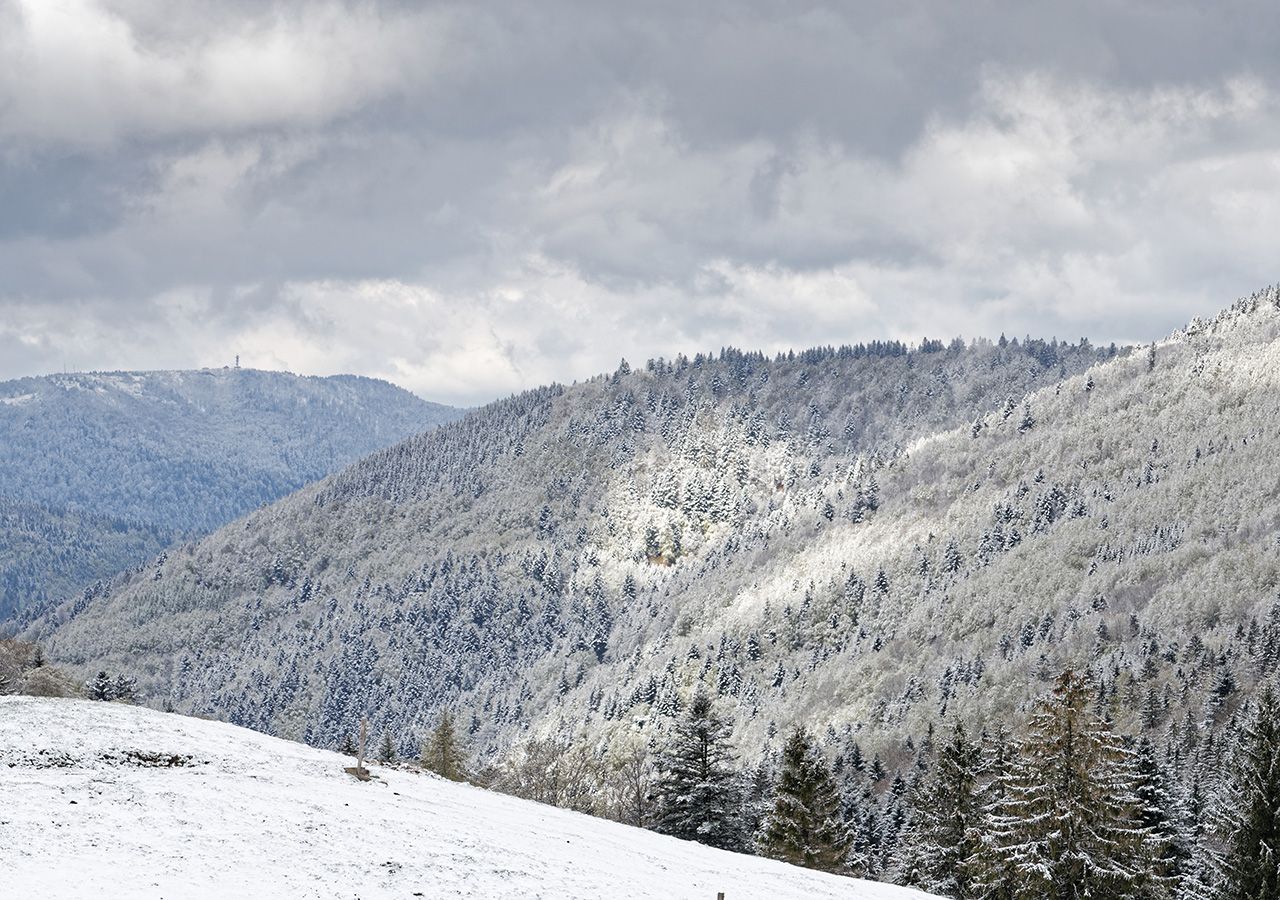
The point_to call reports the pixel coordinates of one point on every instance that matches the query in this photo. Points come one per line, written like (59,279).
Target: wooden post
(360,772)
(720,895)
(364,734)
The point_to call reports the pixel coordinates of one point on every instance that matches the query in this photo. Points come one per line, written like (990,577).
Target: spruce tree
(125,689)
(699,798)
(1250,868)
(101,688)
(990,873)
(442,754)
(804,827)
(944,834)
(1166,853)
(386,750)
(1068,826)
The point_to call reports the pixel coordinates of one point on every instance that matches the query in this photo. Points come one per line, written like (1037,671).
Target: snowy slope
(91,807)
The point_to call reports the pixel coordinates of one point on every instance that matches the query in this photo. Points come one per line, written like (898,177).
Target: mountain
(155,804)
(868,540)
(581,556)
(54,553)
(100,471)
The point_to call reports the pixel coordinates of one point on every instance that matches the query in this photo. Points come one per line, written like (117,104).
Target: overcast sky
(476,198)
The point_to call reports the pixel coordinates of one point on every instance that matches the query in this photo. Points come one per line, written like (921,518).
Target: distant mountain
(578,553)
(99,471)
(181,807)
(47,554)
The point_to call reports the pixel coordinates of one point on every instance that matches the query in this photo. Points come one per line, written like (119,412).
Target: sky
(471,199)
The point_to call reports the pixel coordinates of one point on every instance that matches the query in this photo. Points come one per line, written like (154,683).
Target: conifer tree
(699,798)
(101,688)
(442,754)
(804,826)
(125,689)
(386,750)
(944,835)
(990,873)
(1166,853)
(1068,825)
(1250,867)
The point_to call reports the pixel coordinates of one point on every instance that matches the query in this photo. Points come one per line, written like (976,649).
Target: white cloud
(78,71)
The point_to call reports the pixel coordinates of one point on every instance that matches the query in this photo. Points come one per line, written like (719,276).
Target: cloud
(79,72)
(472,199)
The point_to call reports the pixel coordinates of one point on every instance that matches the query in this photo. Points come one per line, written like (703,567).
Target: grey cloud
(646,178)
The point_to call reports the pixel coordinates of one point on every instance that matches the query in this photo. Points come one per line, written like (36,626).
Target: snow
(85,811)
(19,400)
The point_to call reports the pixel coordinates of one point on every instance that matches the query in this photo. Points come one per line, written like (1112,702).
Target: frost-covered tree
(1156,815)
(1068,825)
(948,816)
(124,689)
(1250,868)
(101,687)
(698,790)
(804,826)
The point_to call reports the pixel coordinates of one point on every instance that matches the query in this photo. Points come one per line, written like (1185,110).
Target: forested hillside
(100,471)
(48,554)
(562,552)
(872,542)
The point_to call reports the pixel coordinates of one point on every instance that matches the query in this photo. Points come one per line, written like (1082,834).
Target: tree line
(1064,808)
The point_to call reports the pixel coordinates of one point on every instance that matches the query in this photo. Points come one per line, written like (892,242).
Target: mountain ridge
(168,455)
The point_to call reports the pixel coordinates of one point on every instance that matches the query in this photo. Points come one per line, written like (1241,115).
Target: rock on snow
(106,800)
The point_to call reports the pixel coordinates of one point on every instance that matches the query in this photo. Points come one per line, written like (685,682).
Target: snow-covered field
(100,800)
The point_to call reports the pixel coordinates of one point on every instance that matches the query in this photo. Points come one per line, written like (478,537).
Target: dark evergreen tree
(1167,854)
(1250,868)
(699,797)
(125,689)
(442,753)
(990,873)
(386,750)
(944,833)
(1068,825)
(804,827)
(101,688)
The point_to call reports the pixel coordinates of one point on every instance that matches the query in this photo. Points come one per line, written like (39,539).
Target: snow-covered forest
(871,543)
(101,471)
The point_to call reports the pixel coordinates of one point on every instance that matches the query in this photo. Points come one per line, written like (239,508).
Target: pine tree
(1165,851)
(804,826)
(124,689)
(441,754)
(386,750)
(699,798)
(1068,825)
(990,873)
(944,834)
(348,746)
(101,688)
(1250,867)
